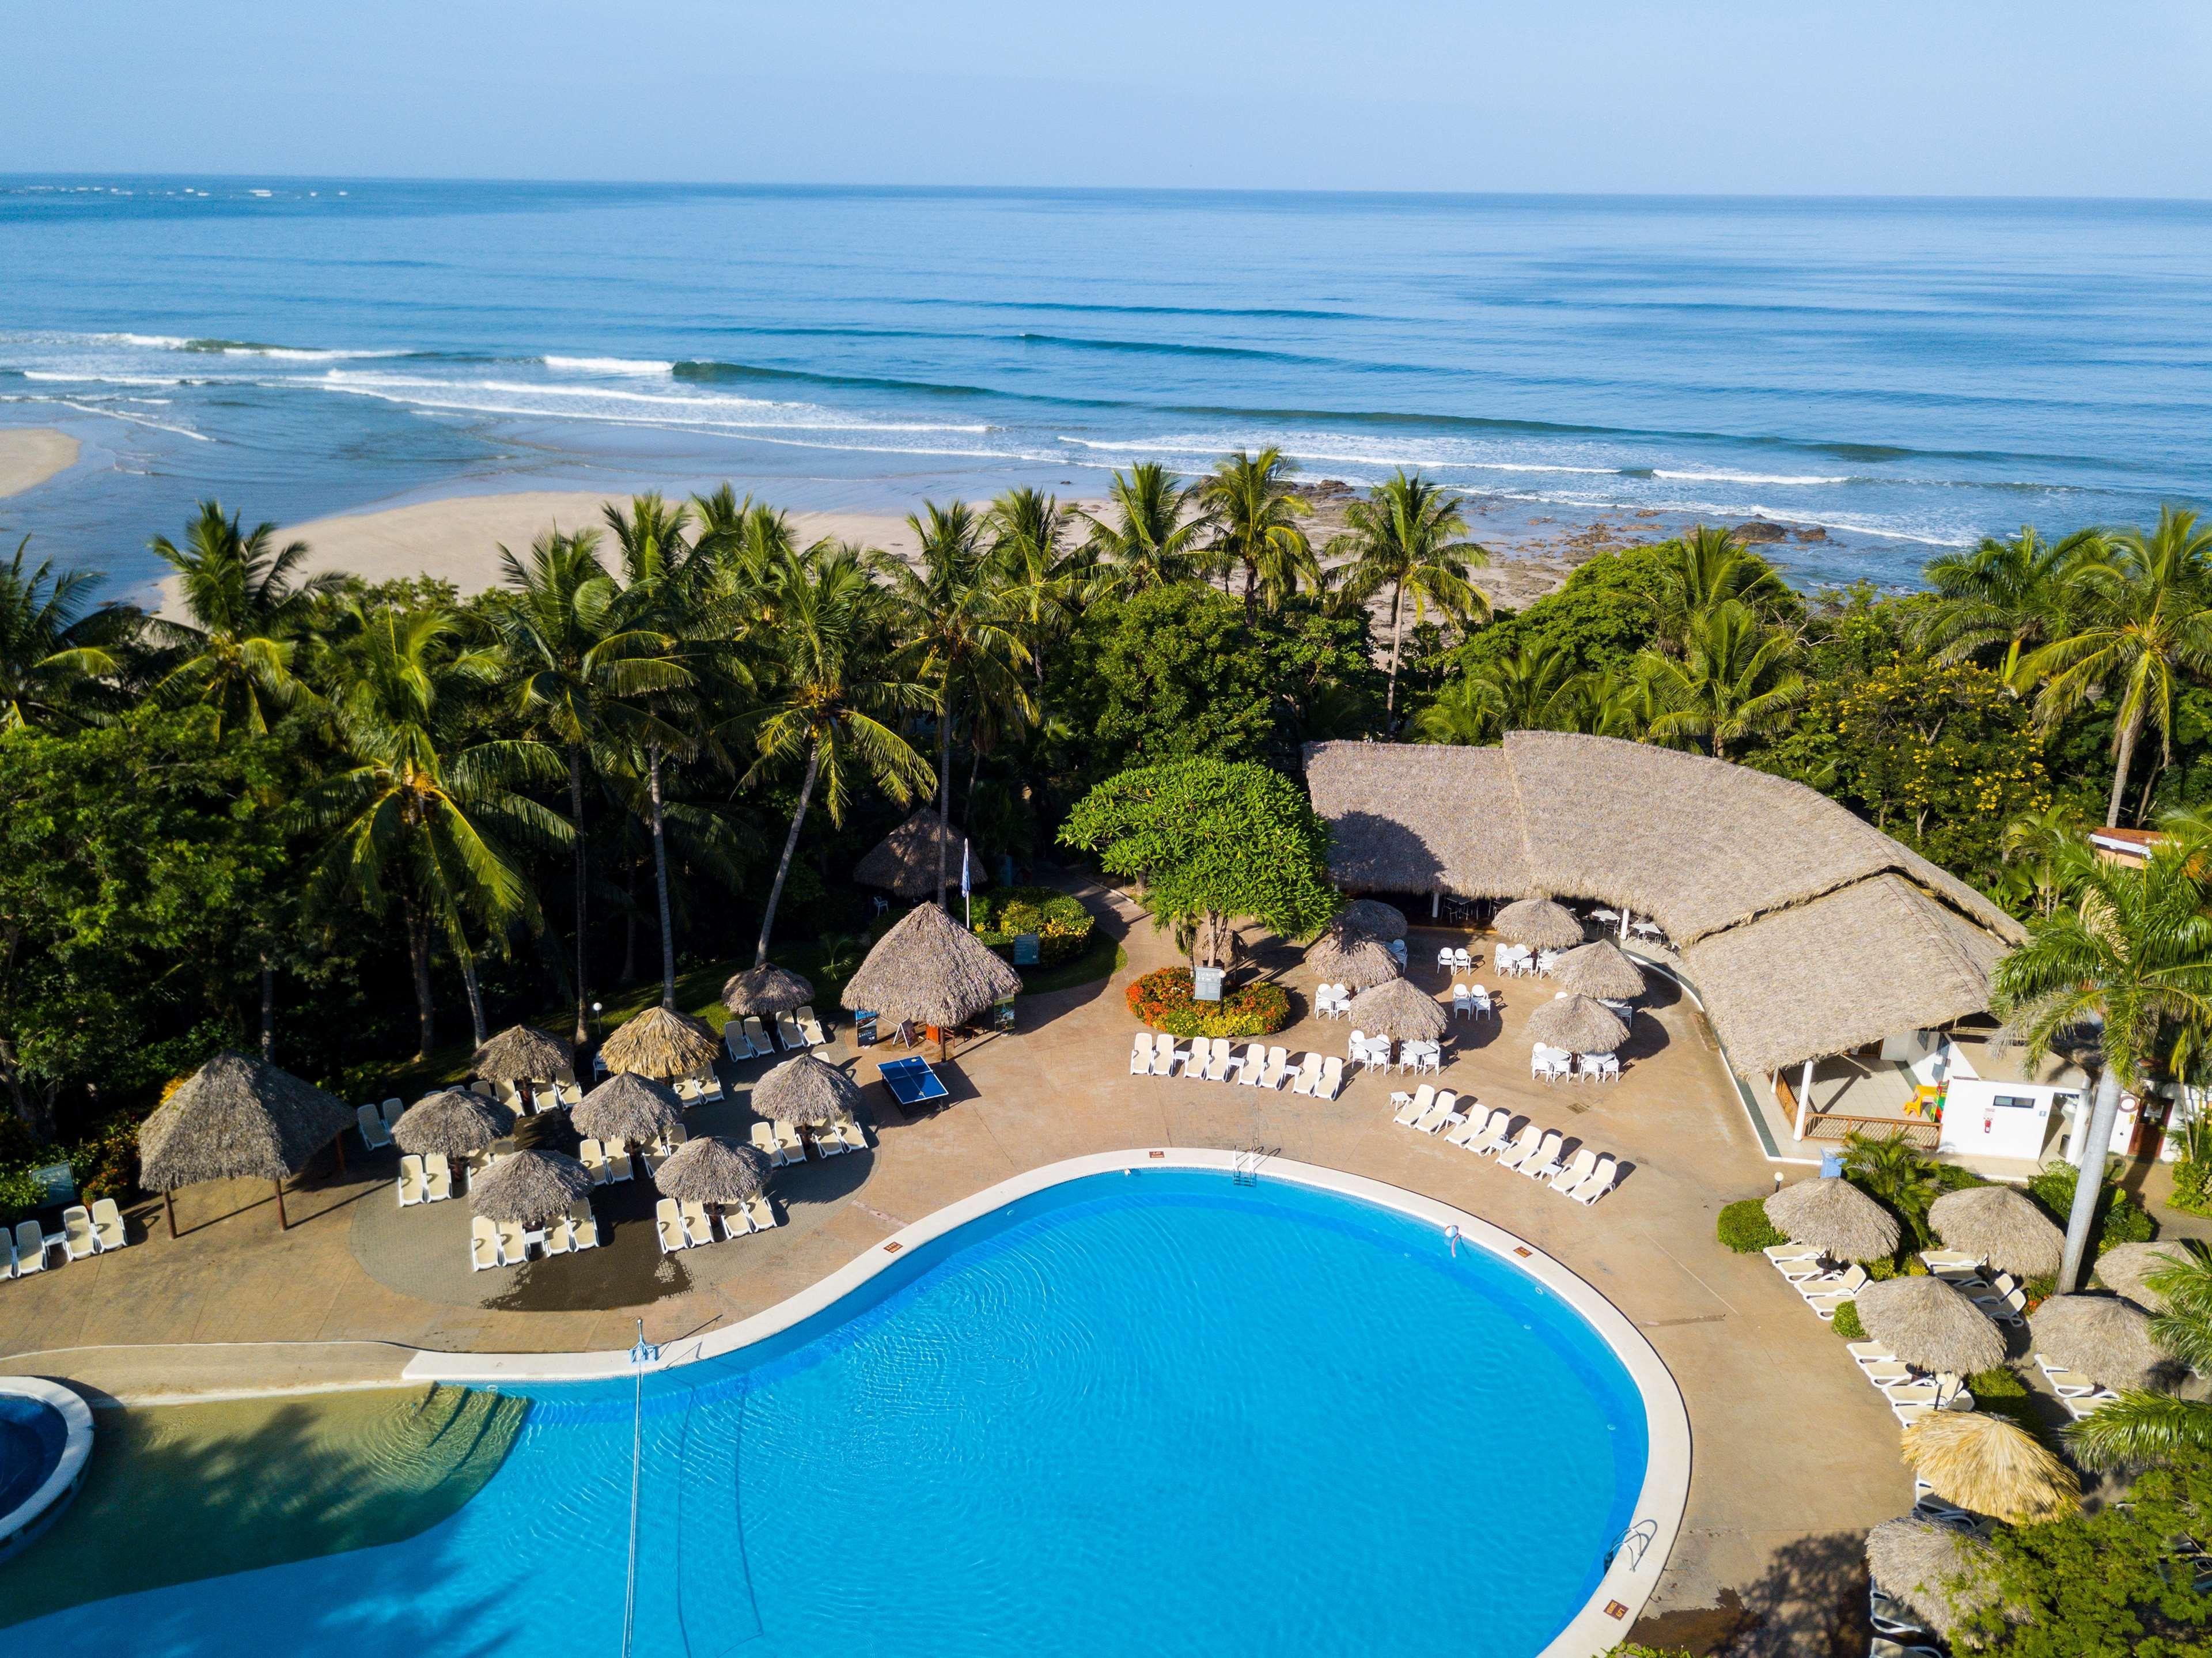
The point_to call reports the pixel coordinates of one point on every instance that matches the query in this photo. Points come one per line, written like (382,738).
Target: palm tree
(955,619)
(1405,536)
(2049,844)
(1708,566)
(1893,1173)
(53,644)
(2013,594)
(1255,526)
(1609,703)
(2144,621)
(2129,952)
(1158,541)
(1536,688)
(1736,680)
(2142,1427)
(830,693)
(417,817)
(575,654)
(244,614)
(1042,578)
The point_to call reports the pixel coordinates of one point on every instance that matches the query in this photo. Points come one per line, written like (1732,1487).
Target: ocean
(1890,378)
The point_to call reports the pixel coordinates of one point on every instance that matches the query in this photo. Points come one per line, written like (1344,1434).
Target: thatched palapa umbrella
(660,1042)
(2000,1224)
(523,1054)
(238,1118)
(1372,918)
(1540,924)
(1945,1574)
(628,1106)
(767,988)
(1577,1025)
(451,1123)
(1927,1322)
(1354,959)
(930,971)
(2127,1268)
(2102,1337)
(804,1090)
(529,1188)
(1991,1465)
(1835,1217)
(1599,969)
(713,1170)
(905,860)
(1399,1011)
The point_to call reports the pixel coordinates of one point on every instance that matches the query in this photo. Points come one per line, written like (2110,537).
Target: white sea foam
(1745,477)
(135,419)
(616,406)
(103,379)
(611,366)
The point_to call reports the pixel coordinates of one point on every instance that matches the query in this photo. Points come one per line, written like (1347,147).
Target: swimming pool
(1168,1414)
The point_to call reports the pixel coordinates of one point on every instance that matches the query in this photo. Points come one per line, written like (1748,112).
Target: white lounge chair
(1441,1115)
(1416,1106)
(668,1221)
(762,1213)
(1482,1133)
(1255,1062)
(810,1028)
(734,1043)
(513,1243)
(560,1236)
(2009,1308)
(1579,1170)
(107,1224)
(1164,1054)
(30,1249)
(1277,1068)
(1140,1054)
(619,1166)
(764,1141)
(849,1134)
(413,1188)
(374,1135)
(392,1110)
(593,1157)
(788,1137)
(1331,1079)
(687,1091)
(484,1244)
(1871,1352)
(583,1224)
(788,1034)
(825,1141)
(698,1226)
(1546,1162)
(78,1238)
(545,1097)
(1601,1182)
(757,1035)
(732,1220)
(1217,1068)
(437,1178)
(1309,1076)
(1522,1148)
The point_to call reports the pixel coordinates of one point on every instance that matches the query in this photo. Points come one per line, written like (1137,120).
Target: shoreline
(29,455)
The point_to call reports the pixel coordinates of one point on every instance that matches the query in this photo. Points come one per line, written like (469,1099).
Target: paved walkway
(1795,1456)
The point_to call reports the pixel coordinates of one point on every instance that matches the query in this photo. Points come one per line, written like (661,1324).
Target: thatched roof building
(805,1089)
(930,969)
(627,1107)
(1539,923)
(1578,1025)
(1807,932)
(767,988)
(237,1118)
(1599,969)
(1399,1010)
(660,1042)
(523,1054)
(451,1123)
(1945,1574)
(1353,959)
(2126,1269)
(905,860)
(1991,1465)
(1927,1323)
(531,1187)
(712,1171)
(1834,1216)
(2104,1338)
(1372,917)
(2002,1226)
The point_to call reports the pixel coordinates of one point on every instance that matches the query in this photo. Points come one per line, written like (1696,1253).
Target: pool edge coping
(22,1524)
(1629,1582)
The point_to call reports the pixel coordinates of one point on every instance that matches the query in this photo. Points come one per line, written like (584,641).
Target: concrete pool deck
(1796,1456)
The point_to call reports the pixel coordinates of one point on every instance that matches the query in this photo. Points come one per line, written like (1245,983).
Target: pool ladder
(1246,1171)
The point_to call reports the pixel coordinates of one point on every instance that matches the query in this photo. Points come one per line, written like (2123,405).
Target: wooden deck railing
(1918,1133)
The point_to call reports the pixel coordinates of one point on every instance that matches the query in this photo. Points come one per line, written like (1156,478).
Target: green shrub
(2121,1219)
(1163,1001)
(1062,924)
(2002,1393)
(2192,1186)
(1846,1322)
(1744,1228)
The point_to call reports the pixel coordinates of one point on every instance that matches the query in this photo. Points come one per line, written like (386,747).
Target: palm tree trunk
(2120,768)
(418,962)
(661,879)
(475,993)
(790,845)
(1397,629)
(2089,1179)
(1251,592)
(268,1010)
(944,786)
(975,765)
(576,806)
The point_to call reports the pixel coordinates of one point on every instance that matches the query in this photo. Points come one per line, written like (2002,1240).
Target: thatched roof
(237,1118)
(1539,923)
(712,1171)
(2001,1224)
(905,860)
(529,1187)
(1834,1216)
(1991,1465)
(1351,959)
(1372,917)
(522,1054)
(1927,1323)
(1943,1574)
(1577,1025)
(931,970)
(2126,1269)
(628,1106)
(1399,1011)
(1806,931)
(660,1042)
(2104,1338)
(1599,969)
(805,1089)
(451,1123)
(766,989)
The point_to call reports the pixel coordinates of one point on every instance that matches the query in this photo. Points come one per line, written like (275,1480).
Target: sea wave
(609,366)
(1744,477)
(536,400)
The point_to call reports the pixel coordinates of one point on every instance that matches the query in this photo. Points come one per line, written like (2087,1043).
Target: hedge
(1062,924)
(1163,1001)
(2123,1220)
(1744,1227)
(1846,1321)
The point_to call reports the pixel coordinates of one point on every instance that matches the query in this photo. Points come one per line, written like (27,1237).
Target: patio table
(911,1081)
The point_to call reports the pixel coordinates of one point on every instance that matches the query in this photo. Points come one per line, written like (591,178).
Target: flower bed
(1062,924)
(1163,1001)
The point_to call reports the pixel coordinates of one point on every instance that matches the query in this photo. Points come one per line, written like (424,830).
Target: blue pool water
(31,1434)
(1160,1414)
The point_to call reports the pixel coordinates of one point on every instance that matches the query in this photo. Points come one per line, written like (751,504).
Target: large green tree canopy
(1214,842)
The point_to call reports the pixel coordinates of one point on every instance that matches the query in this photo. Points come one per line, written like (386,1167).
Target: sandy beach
(29,455)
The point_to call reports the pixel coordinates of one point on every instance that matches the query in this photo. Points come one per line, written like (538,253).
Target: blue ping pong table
(911,1081)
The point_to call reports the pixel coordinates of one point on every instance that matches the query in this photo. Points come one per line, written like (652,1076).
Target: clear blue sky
(1877,96)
